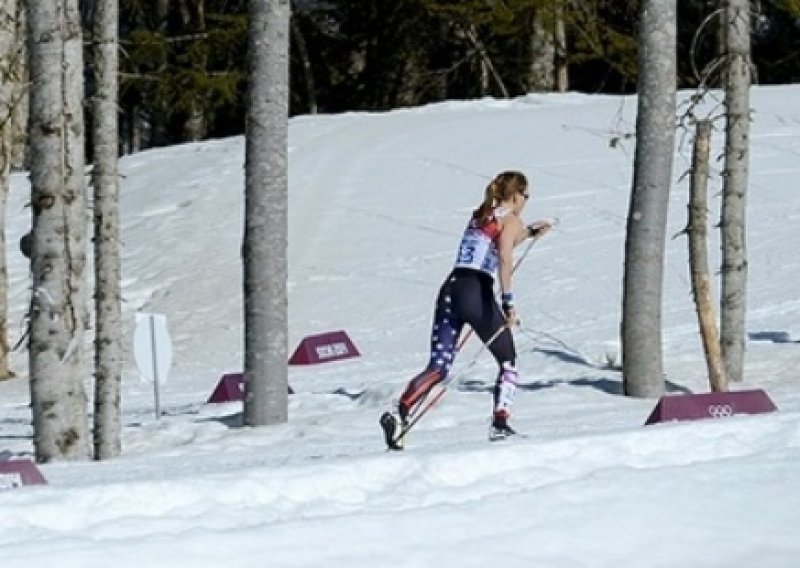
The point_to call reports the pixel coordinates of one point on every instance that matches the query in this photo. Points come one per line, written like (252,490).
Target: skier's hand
(511,316)
(540,227)
(508,310)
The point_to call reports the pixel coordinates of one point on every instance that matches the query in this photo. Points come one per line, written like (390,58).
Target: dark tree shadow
(566,357)
(6,455)
(351,395)
(771,336)
(611,386)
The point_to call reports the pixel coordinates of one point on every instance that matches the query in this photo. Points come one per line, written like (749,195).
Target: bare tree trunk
(137,129)
(264,249)
(722,42)
(541,73)
(108,308)
(5,162)
(58,199)
(698,258)
(487,67)
(561,71)
(11,64)
(153,128)
(646,232)
(17,53)
(194,19)
(733,222)
(308,72)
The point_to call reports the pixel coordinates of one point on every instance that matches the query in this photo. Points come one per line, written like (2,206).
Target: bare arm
(512,233)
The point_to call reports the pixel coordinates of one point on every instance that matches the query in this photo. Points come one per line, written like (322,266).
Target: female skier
(467,297)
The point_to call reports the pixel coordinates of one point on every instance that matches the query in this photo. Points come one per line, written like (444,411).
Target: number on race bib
(466,253)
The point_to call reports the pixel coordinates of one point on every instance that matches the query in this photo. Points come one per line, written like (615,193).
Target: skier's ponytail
(485,208)
(502,187)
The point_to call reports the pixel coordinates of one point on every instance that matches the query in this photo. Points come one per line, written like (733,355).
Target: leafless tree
(58,259)
(264,248)
(698,257)
(647,215)
(12,43)
(735,179)
(107,263)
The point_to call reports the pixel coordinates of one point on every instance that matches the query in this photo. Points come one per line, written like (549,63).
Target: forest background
(183,65)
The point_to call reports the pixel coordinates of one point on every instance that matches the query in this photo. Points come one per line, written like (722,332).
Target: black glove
(539,227)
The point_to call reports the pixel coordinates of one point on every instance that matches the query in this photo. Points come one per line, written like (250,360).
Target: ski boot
(500,430)
(393,428)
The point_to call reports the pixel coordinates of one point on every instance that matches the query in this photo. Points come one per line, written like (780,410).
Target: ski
(495,436)
(499,434)
(394,432)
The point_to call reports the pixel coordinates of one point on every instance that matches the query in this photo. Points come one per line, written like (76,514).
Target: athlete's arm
(511,234)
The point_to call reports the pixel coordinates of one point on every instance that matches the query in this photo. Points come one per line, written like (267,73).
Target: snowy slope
(377,203)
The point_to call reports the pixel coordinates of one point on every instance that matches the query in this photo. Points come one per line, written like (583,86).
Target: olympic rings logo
(720,410)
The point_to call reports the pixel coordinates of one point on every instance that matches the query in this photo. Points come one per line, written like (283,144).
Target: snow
(377,204)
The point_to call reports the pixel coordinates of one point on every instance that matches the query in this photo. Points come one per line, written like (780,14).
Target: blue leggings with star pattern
(465,297)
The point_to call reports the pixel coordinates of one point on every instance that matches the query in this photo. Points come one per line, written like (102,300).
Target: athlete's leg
(487,319)
(444,334)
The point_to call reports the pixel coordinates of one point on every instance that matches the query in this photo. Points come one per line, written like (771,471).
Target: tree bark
(647,215)
(107,264)
(562,70)
(541,75)
(733,222)
(196,126)
(11,54)
(486,65)
(698,258)
(305,64)
(15,78)
(264,248)
(58,203)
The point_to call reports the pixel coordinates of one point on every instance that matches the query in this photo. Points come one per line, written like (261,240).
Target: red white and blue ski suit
(467,297)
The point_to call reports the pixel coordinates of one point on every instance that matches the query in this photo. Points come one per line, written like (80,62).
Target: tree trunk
(486,65)
(194,19)
(5,163)
(58,200)
(647,216)
(737,154)
(18,75)
(11,63)
(721,47)
(561,71)
(541,75)
(305,64)
(264,249)
(108,308)
(698,258)
(137,129)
